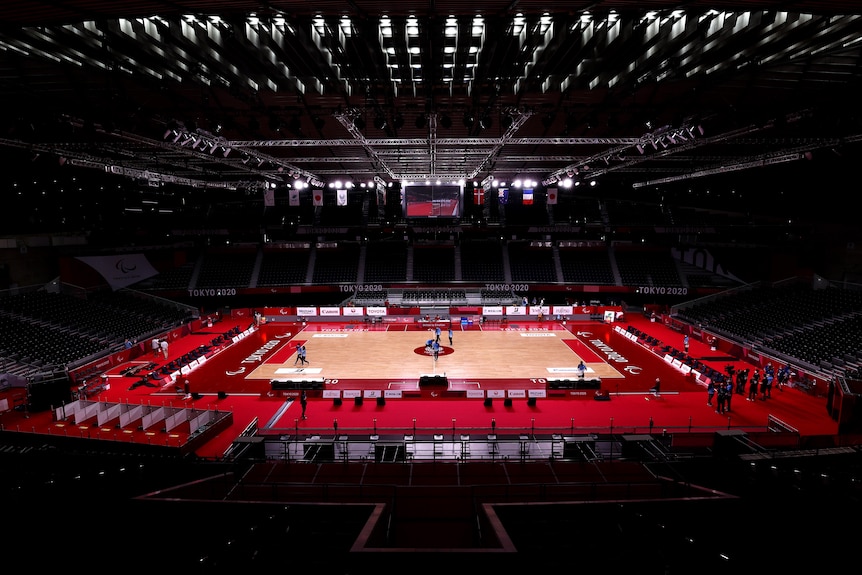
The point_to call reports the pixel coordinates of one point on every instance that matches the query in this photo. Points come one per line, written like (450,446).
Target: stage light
(379,122)
(446,121)
(485,122)
(468,119)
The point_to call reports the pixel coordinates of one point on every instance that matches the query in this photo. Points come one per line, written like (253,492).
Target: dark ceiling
(240,94)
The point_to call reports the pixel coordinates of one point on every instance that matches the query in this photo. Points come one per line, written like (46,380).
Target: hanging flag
(528,197)
(269,197)
(552,196)
(502,196)
(342,197)
(317,196)
(293,197)
(479,196)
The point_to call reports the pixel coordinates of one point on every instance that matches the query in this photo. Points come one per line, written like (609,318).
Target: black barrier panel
(296,384)
(577,383)
(433,381)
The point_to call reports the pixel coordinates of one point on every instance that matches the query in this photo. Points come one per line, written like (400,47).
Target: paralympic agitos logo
(124,267)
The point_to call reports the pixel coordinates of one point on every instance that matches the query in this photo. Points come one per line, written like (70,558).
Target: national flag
(269,197)
(528,197)
(293,197)
(342,197)
(317,197)
(552,196)
(479,196)
(502,196)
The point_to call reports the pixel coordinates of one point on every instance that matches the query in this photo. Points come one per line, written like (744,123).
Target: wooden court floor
(528,352)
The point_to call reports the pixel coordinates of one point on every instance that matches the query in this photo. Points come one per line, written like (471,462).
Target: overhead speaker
(196,396)
(222,394)
(507,402)
(531,401)
(336,401)
(381,401)
(488,402)
(357,400)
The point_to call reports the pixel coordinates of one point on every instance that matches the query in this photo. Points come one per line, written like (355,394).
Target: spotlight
(359,122)
(398,121)
(468,119)
(380,122)
(485,122)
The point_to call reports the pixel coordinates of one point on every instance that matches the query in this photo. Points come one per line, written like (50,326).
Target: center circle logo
(425,350)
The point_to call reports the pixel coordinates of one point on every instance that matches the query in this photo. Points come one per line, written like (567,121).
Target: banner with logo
(341,196)
(121,270)
(492,310)
(552,196)
(317,197)
(516,310)
(293,197)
